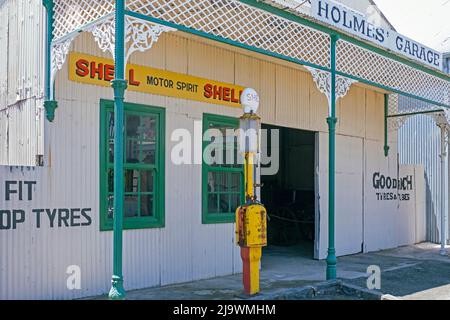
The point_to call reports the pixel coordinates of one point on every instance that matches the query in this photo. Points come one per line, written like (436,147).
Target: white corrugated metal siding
(22,34)
(420,143)
(33,261)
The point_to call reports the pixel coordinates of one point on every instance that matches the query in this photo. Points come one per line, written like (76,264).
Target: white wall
(22,35)
(402,221)
(349,193)
(363,222)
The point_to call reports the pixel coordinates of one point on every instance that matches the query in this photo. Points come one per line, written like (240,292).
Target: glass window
(143,166)
(222,170)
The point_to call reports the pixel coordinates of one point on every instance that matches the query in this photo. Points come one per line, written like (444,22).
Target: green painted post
(386,114)
(119,84)
(332,121)
(50,104)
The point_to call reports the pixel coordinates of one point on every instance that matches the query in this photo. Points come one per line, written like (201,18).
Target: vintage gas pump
(251,218)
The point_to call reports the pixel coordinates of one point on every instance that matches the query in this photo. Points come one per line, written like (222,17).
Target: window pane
(234,182)
(217,181)
(132,151)
(224,153)
(147,129)
(132,125)
(235,201)
(148,139)
(110,137)
(131,206)
(224,192)
(224,203)
(229,156)
(110,208)
(131,181)
(146,206)
(146,181)
(110,180)
(148,152)
(212,203)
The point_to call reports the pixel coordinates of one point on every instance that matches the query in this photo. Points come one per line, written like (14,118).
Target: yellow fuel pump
(251,218)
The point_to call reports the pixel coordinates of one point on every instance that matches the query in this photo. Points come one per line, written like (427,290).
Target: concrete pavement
(414,272)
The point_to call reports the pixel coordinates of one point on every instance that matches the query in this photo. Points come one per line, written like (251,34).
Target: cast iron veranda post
(386,114)
(443,156)
(50,104)
(332,120)
(119,84)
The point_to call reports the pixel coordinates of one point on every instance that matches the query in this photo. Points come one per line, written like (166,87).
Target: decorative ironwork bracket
(441,118)
(322,79)
(140,36)
(395,123)
(104,34)
(58,58)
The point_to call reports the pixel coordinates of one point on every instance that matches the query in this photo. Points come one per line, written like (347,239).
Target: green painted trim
(50,107)
(332,120)
(393,90)
(208,218)
(343,36)
(50,104)
(386,113)
(158,220)
(413,113)
(49,5)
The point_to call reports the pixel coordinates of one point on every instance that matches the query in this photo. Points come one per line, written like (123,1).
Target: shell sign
(100,71)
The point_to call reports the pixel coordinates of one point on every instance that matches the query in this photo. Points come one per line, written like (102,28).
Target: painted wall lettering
(17,188)
(11,219)
(391,189)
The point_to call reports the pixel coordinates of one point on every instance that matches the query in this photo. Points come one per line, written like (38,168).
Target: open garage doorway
(290,195)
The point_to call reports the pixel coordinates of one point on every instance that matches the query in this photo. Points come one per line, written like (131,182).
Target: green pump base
(50,107)
(117,292)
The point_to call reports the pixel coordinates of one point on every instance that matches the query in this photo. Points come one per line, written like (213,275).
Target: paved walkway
(416,272)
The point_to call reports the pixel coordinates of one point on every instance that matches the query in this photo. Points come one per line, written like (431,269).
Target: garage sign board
(355,23)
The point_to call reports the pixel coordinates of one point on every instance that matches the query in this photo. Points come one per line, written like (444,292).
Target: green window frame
(230,195)
(144,166)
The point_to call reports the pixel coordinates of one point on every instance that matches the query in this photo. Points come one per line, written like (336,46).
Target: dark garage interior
(289,196)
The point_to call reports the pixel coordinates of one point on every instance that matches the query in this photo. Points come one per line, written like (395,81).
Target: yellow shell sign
(100,71)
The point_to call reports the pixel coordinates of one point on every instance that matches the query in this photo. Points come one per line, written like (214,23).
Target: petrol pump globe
(250,122)
(250,101)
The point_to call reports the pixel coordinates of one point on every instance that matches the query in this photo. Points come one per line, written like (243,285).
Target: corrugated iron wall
(420,143)
(22,34)
(33,261)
